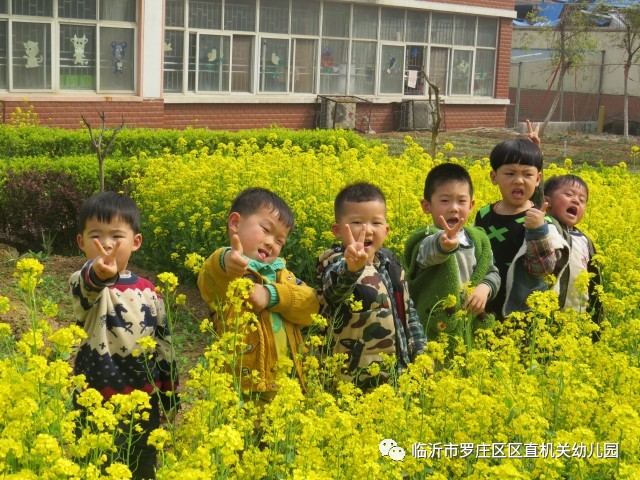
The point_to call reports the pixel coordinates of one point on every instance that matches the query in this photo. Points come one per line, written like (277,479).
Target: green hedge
(50,142)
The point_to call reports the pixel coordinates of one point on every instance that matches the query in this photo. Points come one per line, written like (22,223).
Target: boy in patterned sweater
(117,308)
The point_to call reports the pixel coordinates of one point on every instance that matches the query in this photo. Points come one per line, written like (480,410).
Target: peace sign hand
(105,265)
(532,134)
(355,254)
(234,261)
(449,237)
(534,218)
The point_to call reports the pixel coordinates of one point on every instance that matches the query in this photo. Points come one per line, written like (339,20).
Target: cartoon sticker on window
(119,49)
(32,50)
(78,49)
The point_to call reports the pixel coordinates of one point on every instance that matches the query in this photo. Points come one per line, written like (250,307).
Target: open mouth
(572,211)
(452,222)
(367,243)
(518,193)
(263,254)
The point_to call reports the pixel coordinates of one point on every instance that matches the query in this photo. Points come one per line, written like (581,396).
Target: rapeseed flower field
(535,398)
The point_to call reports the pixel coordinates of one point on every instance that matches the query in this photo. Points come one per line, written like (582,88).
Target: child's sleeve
(296,301)
(546,252)
(85,288)
(213,279)
(338,282)
(416,338)
(431,253)
(492,278)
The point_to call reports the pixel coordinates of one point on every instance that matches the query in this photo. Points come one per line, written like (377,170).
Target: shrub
(39,207)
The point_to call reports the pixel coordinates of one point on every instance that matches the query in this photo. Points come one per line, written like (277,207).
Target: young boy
(387,322)
(258,226)
(567,197)
(526,248)
(441,258)
(116,309)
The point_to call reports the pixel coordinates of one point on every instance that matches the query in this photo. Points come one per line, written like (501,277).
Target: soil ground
(593,149)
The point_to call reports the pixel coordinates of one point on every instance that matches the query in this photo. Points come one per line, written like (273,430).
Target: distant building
(234,64)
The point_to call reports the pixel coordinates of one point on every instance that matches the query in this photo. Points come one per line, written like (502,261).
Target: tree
(571,40)
(630,18)
(102,149)
(436,114)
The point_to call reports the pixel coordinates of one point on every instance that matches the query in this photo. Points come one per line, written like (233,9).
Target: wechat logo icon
(389,448)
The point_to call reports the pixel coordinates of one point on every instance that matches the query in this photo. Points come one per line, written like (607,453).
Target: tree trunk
(625,131)
(556,99)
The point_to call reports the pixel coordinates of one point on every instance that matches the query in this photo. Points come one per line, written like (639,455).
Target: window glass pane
(417,26)
(274,16)
(461,74)
(335,19)
(173,60)
(118,10)
(439,68)
(241,64)
(3,6)
(240,15)
(305,17)
(415,56)
(174,13)
(205,14)
(78,57)
(392,24)
(483,77)
(3,55)
(31,55)
(35,8)
(274,64)
(304,66)
(465,30)
(77,9)
(441,28)
(487,32)
(391,69)
(117,58)
(213,63)
(333,66)
(365,22)
(363,61)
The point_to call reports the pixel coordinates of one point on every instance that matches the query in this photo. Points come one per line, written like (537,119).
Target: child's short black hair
(517,150)
(554,183)
(108,206)
(252,199)
(446,172)
(357,193)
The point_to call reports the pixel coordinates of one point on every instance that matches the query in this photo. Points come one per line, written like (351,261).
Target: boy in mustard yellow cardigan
(258,226)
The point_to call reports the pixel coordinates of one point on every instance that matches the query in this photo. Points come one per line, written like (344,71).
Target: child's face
(372,216)
(517,183)
(108,234)
(567,204)
(261,234)
(451,200)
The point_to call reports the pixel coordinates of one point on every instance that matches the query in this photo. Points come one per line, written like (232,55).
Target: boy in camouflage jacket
(361,271)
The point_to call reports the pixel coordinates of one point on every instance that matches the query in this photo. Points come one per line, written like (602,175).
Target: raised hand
(105,265)
(234,261)
(532,134)
(534,218)
(449,238)
(355,254)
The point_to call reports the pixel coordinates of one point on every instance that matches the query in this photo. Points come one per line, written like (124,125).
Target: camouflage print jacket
(375,329)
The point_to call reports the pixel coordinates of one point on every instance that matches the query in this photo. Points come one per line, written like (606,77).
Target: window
(274,16)
(62,45)
(319,46)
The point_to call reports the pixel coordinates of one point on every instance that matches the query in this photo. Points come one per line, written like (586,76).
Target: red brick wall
(155,114)
(68,114)
(576,107)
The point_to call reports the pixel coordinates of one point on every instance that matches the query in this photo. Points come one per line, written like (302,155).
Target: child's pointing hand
(355,255)
(105,265)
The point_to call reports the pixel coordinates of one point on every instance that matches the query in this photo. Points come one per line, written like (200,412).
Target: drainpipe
(517,112)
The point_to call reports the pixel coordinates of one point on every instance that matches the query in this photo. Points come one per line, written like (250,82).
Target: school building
(236,64)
